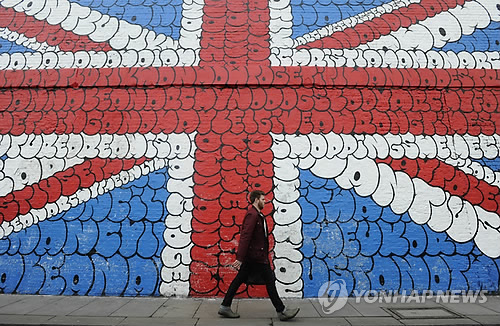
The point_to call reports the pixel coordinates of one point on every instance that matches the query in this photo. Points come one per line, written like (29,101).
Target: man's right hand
(237,264)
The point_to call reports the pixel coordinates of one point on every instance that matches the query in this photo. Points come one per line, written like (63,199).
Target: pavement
(80,310)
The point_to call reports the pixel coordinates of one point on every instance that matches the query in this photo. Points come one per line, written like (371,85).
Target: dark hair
(256,195)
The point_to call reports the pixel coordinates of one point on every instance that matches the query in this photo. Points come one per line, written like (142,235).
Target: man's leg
(283,312)
(270,279)
(235,284)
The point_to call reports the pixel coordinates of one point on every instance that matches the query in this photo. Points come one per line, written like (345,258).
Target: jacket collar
(259,213)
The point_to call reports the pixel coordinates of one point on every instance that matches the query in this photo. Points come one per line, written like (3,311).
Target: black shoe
(227,312)
(287,314)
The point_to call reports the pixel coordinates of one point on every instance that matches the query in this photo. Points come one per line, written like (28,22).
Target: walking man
(252,260)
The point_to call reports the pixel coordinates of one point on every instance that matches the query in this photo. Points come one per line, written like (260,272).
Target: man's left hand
(237,264)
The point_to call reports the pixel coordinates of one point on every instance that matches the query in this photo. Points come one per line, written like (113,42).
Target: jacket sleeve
(246,235)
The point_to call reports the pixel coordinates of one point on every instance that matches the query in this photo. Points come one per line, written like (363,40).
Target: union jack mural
(132,131)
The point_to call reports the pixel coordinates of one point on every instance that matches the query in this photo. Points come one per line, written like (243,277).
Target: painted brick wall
(132,131)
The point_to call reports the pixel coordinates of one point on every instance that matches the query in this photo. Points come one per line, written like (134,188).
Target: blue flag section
(110,245)
(351,238)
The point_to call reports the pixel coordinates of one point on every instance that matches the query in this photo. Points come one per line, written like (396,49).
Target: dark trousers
(242,276)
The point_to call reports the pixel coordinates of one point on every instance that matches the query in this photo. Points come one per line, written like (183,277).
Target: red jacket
(254,245)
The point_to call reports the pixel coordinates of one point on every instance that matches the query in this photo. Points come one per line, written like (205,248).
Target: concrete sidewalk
(64,310)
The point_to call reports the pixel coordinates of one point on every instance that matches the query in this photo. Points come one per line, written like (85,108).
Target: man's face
(260,202)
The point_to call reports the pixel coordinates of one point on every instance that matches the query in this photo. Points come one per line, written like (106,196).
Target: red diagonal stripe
(63,183)
(440,174)
(43,32)
(385,24)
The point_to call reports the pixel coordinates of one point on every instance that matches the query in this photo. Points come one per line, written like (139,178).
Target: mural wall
(132,131)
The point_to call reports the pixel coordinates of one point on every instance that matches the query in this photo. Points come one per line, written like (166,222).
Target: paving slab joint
(420,313)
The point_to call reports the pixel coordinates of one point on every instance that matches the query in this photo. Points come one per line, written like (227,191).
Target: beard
(260,205)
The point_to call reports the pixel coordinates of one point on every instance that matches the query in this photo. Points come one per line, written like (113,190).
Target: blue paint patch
(309,15)
(350,238)
(486,39)
(493,164)
(163,16)
(110,245)
(12,47)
